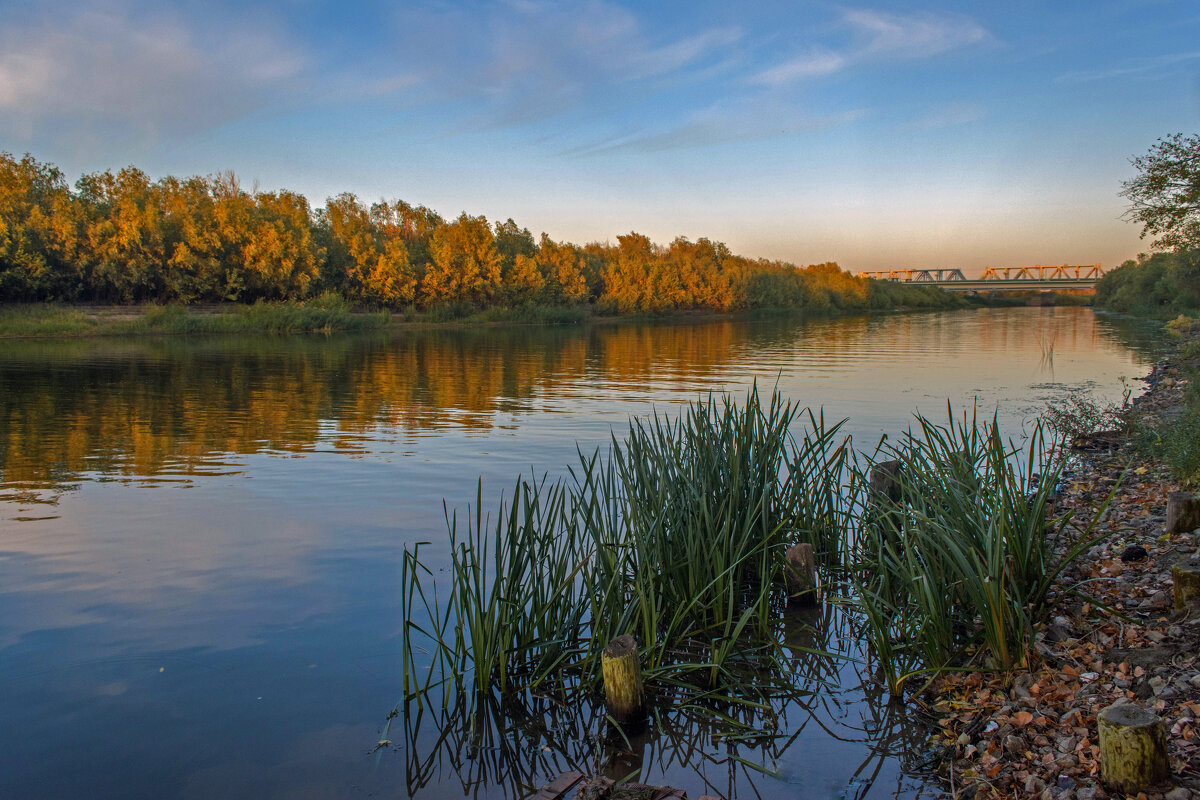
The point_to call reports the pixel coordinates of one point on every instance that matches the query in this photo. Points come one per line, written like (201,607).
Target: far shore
(62,320)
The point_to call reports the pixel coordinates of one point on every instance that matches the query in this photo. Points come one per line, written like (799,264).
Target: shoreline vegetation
(126,240)
(330,314)
(1005,591)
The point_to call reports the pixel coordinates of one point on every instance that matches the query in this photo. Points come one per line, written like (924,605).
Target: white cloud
(912,35)
(812,65)
(87,74)
(520,62)
(877,36)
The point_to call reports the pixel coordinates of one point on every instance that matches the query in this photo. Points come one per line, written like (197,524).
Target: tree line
(124,238)
(1164,198)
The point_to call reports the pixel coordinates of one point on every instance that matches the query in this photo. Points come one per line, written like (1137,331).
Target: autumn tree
(414,225)
(464,264)
(366,265)
(563,267)
(282,257)
(39,232)
(125,249)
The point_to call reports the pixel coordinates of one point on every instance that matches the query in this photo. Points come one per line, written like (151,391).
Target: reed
(674,534)
(965,561)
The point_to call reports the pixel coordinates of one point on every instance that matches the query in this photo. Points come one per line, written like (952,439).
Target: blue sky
(873,134)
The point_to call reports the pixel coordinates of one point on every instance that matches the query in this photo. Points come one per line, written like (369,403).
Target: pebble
(1066,782)
(1014,744)
(1066,744)
(1178,793)
(1158,684)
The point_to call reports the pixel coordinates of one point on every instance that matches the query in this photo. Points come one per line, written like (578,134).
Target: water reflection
(701,744)
(174,409)
(200,539)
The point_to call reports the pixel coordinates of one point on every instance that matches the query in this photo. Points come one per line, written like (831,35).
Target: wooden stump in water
(1186,575)
(623,680)
(884,481)
(1183,512)
(800,574)
(1133,748)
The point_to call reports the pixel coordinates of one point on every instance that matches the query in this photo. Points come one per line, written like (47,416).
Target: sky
(877,135)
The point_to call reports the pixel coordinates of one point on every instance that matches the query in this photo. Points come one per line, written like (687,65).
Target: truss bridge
(997,279)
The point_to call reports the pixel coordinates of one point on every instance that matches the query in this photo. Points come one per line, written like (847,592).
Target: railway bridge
(997,279)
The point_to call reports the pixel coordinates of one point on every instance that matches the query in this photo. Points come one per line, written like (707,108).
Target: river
(200,538)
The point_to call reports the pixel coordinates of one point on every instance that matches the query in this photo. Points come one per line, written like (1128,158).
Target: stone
(1178,793)
(1135,552)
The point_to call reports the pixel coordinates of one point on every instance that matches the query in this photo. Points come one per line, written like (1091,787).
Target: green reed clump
(966,557)
(675,535)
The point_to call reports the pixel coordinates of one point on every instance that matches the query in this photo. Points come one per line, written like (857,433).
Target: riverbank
(1113,635)
(67,321)
(330,314)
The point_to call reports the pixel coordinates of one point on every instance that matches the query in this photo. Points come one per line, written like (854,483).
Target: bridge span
(997,279)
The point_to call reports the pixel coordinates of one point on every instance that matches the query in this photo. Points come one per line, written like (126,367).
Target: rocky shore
(1114,637)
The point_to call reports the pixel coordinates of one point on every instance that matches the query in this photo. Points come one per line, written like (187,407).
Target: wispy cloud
(721,124)
(520,62)
(810,65)
(947,117)
(1142,66)
(876,36)
(83,73)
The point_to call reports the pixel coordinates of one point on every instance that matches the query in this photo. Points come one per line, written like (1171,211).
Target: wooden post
(1183,512)
(800,574)
(1133,748)
(623,680)
(1186,575)
(884,481)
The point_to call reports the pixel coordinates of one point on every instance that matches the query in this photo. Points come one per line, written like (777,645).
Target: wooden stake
(1183,512)
(1186,575)
(623,680)
(1133,748)
(800,574)
(884,481)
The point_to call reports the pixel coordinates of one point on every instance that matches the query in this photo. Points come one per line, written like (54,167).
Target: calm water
(200,540)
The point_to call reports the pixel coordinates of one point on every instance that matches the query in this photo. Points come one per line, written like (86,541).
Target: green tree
(1165,196)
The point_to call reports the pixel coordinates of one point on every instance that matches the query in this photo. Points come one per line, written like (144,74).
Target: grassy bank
(53,320)
(329,313)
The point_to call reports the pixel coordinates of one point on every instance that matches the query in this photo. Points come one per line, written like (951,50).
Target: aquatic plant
(964,559)
(674,534)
